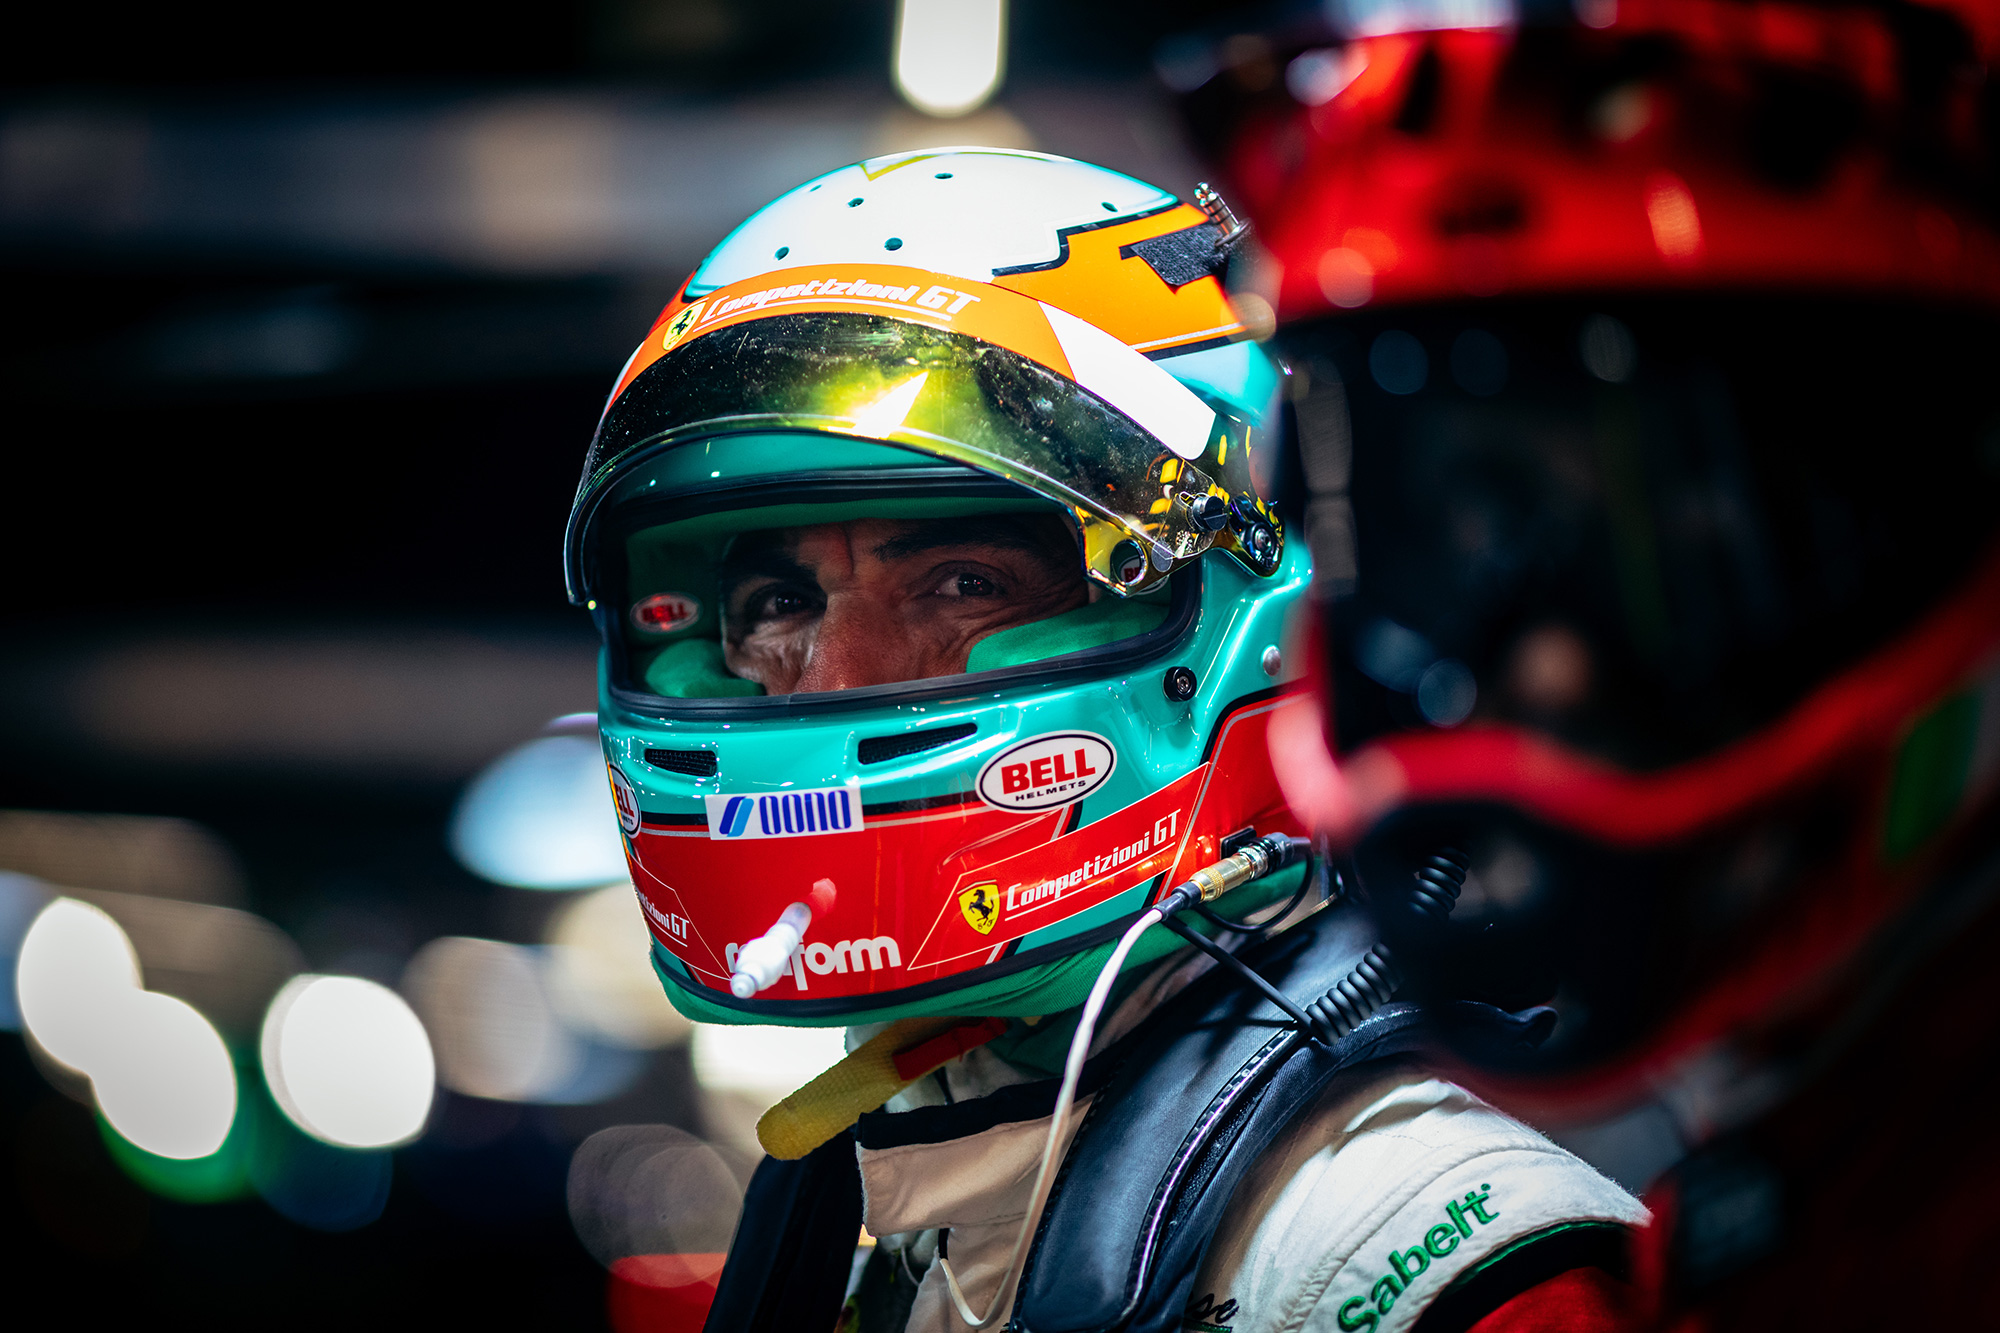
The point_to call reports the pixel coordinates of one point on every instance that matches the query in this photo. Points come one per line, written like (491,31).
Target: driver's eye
(779,602)
(975,585)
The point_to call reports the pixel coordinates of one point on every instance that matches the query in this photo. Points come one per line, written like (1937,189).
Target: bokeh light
(158,1070)
(763,1063)
(657,1207)
(949,53)
(75,971)
(348,1062)
(540,817)
(496,1032)
(600,972)
(165,1081)
(22,898)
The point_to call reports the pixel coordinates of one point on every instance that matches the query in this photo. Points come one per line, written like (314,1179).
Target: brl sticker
(1047,771)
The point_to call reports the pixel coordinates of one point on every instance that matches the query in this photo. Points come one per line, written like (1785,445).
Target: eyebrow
(765,559)
(1008,533)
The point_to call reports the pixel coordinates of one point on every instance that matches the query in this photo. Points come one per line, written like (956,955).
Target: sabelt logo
(786,814)
(1047,771)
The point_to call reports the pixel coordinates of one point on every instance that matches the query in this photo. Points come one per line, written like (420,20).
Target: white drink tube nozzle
(763,960)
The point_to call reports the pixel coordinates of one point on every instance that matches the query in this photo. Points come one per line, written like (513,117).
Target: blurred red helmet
(1647,392)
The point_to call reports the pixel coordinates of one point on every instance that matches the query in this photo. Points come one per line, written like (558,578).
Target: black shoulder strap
(1214,1078)
(794,1247)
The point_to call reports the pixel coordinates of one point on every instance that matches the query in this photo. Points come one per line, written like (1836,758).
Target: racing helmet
(1648,450)
(940,600)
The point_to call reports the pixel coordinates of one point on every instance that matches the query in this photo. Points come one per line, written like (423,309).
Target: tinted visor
(1646,527)
(1141,508)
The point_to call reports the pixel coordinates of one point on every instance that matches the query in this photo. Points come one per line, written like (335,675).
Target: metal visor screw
(1209,512)
(1179,684)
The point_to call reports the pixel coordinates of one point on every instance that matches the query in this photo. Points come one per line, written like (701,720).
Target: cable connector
(1230,229)
(1254,860)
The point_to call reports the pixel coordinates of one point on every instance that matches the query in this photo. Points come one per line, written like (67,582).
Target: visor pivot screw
(1259,540)
(1209,512)
(1179,684)
(1163,557)
(1272,661)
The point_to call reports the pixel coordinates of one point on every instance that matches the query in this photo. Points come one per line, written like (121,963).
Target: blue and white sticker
(786,814)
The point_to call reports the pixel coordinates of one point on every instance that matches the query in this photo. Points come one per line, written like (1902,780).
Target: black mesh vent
(694,763)
(881,749)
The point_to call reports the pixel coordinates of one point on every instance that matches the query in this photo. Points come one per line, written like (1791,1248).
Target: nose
(860,642)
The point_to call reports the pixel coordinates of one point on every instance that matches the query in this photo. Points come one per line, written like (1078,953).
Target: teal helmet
(942,608)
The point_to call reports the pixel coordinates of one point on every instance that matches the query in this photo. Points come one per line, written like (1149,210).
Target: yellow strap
(838,1097)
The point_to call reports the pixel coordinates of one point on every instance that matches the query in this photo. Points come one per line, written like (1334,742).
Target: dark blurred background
(310,313)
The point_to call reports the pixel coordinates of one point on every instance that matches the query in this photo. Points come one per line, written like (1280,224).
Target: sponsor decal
(981,905)
(932,298)
(1407,1265)
(821,958)
(786,814)
(1047,771)
(1043,885)
(672,923)
(665,612)
(1204,1314)
(678,326)
(625,797)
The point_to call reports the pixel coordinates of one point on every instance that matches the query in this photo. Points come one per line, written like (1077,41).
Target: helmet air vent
(694,763)
(881,749)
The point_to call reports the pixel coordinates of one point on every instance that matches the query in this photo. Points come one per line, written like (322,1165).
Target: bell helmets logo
(665,612)
(1047,771)
(625,798)
(785,814)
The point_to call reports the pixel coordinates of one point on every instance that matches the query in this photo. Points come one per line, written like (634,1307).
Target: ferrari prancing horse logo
(678,327)
(981,905)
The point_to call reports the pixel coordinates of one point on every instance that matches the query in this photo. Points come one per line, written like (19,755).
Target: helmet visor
(1646,529)
(794,592)
(1142,508)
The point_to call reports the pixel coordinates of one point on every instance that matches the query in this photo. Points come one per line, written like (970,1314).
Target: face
(838,606)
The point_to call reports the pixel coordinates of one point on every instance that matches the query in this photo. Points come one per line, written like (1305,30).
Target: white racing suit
(1392,1187)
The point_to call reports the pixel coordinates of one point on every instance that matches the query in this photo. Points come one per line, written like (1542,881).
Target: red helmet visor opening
(1645,529)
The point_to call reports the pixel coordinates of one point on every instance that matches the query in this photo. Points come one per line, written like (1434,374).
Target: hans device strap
(794,1246)
(1135,1208)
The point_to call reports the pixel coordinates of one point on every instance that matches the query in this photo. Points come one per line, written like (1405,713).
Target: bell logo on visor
(788,814)
(1047,771)
(665,612)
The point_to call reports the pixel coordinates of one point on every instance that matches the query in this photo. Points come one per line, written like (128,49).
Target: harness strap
(1215,1078)
(794,1248)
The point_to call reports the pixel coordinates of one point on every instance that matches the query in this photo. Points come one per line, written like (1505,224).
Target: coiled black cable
(1375,979)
